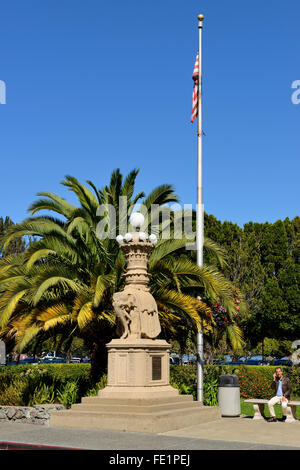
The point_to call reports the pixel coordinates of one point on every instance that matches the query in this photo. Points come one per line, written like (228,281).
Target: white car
(76,360)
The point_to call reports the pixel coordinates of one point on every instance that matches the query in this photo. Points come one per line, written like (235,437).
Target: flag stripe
(195,90)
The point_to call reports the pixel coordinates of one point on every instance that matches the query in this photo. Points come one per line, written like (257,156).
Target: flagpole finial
(200,17)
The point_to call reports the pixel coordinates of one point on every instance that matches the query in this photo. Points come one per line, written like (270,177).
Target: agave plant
(63,283)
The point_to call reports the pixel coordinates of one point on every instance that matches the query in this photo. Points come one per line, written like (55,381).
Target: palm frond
(52,202)
(186,304)
(85,315)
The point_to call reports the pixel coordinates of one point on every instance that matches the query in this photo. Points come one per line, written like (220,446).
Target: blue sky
(97,85)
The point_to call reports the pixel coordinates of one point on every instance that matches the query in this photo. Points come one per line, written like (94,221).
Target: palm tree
(62,284)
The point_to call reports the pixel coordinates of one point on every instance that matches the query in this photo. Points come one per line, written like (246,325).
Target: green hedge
(26,385)
(58,371)
(66,383)
(255,381)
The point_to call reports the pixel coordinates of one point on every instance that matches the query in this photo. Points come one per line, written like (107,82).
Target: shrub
(28,384)
(254,384)
(183,375)
(12,394)
(93,391)
(210,391)
(68,395)
(42,395)
(294,375)
(184,378)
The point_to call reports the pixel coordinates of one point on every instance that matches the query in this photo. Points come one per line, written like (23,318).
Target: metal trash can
(229,395)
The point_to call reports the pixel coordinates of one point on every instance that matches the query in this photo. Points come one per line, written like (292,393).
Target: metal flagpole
(200,214)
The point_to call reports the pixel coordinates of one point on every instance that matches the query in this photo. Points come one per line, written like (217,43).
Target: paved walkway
(226,434)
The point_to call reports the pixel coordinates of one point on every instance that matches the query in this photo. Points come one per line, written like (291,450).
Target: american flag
(195,90)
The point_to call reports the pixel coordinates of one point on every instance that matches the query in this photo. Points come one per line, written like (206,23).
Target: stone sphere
(153,239)
(143,236)
(120,239)
(137,219)
(128,237)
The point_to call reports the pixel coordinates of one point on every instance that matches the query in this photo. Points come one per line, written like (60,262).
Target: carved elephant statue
(137,312)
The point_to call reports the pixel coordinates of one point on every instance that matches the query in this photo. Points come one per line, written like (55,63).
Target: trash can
(229,395)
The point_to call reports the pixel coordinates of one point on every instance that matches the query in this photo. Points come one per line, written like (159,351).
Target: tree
(274,348)
(274,247)
(16,246)
(263,262)
(63,283)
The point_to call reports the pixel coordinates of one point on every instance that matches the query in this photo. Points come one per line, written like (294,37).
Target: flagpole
(199,214)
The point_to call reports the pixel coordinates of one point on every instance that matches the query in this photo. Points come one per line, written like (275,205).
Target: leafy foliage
(294,375)
(26,385)
(42,394)
(263,262)
(210,391)
(68,395)
(17,246)
(254,384)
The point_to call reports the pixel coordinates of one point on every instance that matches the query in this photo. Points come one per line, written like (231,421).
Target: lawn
(247,409)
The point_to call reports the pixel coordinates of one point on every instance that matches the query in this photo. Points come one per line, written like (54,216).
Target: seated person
(283,388)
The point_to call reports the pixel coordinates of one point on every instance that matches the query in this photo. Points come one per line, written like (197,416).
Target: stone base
(138,363)
(152,415)
(138,396)
(155,393)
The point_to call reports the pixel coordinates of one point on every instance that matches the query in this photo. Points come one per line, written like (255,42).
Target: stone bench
(259,406)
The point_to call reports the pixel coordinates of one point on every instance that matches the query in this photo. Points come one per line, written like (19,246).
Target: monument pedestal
(138,369)
(138,396)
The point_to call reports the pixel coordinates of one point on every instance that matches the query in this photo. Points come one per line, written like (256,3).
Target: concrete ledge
(133,408)
(146,418)
(153,400)
(156,392)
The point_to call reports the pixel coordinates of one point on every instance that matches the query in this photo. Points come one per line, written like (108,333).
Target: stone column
(138,363)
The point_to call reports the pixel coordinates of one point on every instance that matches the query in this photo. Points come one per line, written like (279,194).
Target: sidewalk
(245,429)
(241,433)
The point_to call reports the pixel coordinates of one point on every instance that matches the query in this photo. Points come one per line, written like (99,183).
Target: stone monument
(138,363)
(138,395)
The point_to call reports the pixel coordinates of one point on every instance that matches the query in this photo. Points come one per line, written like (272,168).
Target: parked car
(76,359)
(86,360)
(258,360)
(284,361)
(27,360)
(52,358)
(174,360)
(58,360)
(228,361)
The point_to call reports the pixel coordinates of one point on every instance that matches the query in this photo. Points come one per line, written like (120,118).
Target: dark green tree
(16,246)
(263,262)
